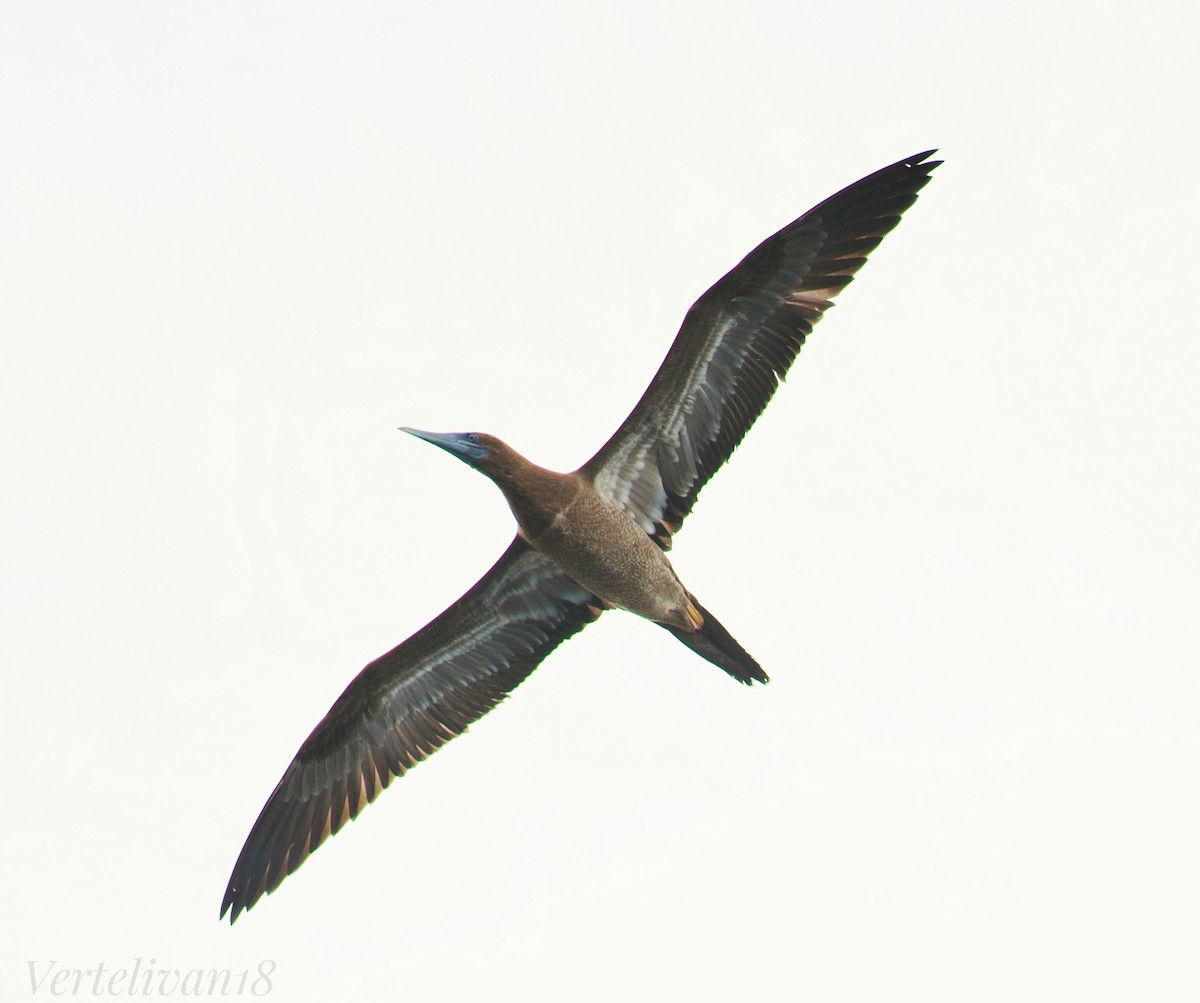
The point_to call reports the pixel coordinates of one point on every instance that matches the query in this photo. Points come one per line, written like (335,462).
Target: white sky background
(241,243)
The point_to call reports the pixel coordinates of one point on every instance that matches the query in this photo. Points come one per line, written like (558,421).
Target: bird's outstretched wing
(407,704)
(737,342)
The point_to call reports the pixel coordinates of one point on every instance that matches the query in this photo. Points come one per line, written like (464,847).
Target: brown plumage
(587,541)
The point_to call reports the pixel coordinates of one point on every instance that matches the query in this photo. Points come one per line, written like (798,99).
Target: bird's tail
(714,643)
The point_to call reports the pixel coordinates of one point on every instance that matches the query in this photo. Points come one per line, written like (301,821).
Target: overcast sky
(241,243)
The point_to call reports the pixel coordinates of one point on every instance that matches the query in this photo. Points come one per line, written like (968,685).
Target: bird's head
(476,449)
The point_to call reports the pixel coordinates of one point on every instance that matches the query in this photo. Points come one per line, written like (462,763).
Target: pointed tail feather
(714,643)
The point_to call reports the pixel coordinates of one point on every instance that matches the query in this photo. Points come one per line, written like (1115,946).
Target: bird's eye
(473,436)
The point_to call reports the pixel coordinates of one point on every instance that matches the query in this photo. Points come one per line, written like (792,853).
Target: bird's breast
(606,552)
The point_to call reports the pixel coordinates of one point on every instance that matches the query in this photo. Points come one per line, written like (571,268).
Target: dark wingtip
(916,158)
(923,163)
(239,893)
(918,164)
(225,907)
(920,160)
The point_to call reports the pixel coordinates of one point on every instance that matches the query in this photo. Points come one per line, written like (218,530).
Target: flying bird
(587,541)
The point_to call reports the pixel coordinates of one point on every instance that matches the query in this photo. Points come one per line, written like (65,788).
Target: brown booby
(589,540)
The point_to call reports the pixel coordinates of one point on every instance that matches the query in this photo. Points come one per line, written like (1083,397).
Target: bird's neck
(537,496)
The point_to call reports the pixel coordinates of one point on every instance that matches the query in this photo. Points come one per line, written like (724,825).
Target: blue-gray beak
(465,445)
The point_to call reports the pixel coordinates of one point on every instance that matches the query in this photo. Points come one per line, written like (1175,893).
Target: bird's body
(563,517)
(607,553)
(597,543)
(589,540)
